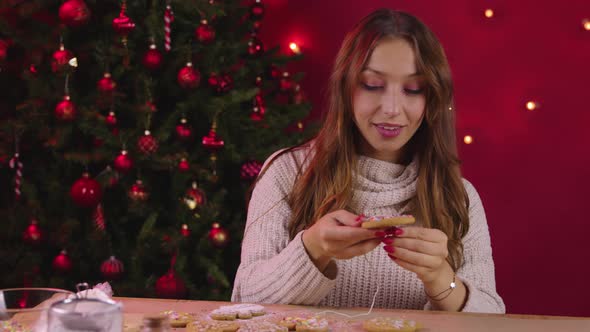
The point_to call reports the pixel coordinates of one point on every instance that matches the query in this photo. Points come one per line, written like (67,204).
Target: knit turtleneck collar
(382,187)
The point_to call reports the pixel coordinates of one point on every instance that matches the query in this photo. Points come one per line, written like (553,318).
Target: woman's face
(389,100)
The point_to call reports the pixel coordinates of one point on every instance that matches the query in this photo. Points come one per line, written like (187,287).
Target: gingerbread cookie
(389,324)
(387,221)
(211,326)
(290,322)
(312,324)
(262,326)
(177,319)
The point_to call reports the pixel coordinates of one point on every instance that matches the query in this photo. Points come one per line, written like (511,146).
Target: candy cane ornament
(18,166)
(168,19)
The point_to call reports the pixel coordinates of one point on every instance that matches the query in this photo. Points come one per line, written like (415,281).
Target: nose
(391,103)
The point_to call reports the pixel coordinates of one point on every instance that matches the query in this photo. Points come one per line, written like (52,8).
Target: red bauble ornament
(212,142)
(185,231)
(106,84)
(170,286)
(147,143)
(183,165)
(111,119)
(221,83)
(195,197)
(60,59)
(218,236)
(149,107)
(86,192)
(286,82)
(258,81)
(255,46)
(62,262)
(257,11)
(258,110)
(205,33)
(65,110)
(138,193)
(250,170)
(189,77)
(112,268)
(74,13)
(152,59)
(183,131)
(122,24)
(33,234)
(123,163)
(4,45)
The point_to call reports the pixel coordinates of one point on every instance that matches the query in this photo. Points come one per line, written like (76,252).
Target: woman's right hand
(338,235)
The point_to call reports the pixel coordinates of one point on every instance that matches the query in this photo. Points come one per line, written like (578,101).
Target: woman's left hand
(420,250)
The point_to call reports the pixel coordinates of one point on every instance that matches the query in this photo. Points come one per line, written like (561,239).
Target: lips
(388,130)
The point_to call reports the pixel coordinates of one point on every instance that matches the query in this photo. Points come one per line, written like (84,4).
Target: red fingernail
(391,231)
(380,234)
(392,257)
(398,231)
(389,249)
(387,240)
(360,217)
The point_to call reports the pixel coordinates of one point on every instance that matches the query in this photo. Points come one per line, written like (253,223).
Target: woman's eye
(370,87)
(415,91)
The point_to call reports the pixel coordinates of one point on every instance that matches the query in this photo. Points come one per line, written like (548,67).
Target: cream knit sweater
(276,270)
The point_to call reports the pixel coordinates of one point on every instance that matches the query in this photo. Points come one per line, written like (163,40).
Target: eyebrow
(385,74)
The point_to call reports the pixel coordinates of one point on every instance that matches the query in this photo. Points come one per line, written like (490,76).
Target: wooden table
(432,321)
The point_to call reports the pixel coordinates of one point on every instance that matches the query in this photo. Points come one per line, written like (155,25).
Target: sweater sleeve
(477,270)
(272,268)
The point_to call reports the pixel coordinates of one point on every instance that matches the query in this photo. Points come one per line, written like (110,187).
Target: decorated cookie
(387,221)
(212,326)
(290,322)
(262,326)
(313,324)
(241,311)
(177,319)
(389,324)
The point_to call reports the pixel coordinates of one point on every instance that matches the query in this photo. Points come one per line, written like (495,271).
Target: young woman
(387,147)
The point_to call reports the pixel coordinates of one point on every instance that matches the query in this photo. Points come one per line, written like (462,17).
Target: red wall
(530,168)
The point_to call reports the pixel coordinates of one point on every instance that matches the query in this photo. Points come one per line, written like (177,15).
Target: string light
(295,48)
(73,62)
(489,13)
(532,105)
(468,139)
(586,24)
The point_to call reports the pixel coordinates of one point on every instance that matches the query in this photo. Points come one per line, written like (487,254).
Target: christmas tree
(131,133)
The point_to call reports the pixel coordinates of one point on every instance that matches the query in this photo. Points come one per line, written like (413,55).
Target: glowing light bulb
(295,48)
(489,13)
(532,105)
(586,24)
(468,139)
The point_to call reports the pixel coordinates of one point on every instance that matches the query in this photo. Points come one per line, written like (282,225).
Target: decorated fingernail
(387,240)
(398,231)
(380,234)
(389,249)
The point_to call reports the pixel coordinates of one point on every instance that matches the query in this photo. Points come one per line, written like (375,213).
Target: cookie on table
(375,222)
(290,322)
(177,319)
(241,311)
(212,326)
(313,324)
(390,324)
(262,326)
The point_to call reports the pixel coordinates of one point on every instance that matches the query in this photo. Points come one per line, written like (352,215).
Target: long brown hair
(326,184)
